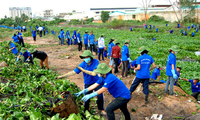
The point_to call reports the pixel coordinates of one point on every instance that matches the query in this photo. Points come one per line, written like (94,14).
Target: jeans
(21,42)
(44,32)
(80,46)
(195,95)
(170,82)
(75,41)
(62,41)
(125,68)
(40,33)
(137,81)
(86,46)
(100,100)
(92,47)
(120,103)
(116,60)
(101,50)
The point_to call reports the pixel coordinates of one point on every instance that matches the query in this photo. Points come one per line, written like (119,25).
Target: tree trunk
(145,13)
(173,9)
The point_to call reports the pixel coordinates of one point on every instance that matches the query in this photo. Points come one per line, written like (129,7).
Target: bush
(156,18)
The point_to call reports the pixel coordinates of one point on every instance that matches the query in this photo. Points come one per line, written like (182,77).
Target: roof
(121,8)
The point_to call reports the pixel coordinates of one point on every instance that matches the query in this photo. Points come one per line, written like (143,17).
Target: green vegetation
(104,16)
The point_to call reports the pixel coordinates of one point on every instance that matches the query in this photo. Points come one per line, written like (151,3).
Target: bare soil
(159,102)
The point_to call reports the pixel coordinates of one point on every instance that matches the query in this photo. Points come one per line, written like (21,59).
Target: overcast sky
(59,6)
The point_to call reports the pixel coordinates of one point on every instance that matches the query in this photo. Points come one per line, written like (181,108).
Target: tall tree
(24,17)
(104,16)
(145,5)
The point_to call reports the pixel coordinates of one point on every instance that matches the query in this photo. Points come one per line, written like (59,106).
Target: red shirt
(116,52)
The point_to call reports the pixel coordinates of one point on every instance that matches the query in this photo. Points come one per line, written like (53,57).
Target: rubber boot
(146,99)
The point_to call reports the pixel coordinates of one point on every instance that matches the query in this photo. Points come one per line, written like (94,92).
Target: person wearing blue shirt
(178,73)
(91,41)
(62,37)
(125,62)
(87,66)
(193,34)
(59,37)
(47,31)
(79,41)
(68,37)
(131,29)
(114,86)
(34,35)
(27,56)
(21,29)
(188,28)
(105,52)
(21,40)
(171,31)
(154,38)
(192,25)
(178,25)
(145,26)
(197,29)
(30,28)
(134,65)
(74,37)
(171,69)
(195,26)
(85,38)
(149,26)
(44,30)
(195,86)
(156,29)
(153,26)
(149,29)
(185,32)
(166,25)
(143,72)
(52,32)
(16,38)
(182,32)
(13,48)
(156,73)
(37,29)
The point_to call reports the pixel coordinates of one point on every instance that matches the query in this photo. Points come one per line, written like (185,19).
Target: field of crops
(31,88)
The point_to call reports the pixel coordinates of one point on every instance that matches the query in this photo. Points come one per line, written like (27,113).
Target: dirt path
(159,102)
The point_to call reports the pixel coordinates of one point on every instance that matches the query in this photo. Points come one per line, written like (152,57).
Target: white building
(48,13)
(76,15)
(17,11)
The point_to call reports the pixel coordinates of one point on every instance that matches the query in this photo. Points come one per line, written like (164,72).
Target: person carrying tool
(195,86)
(13,48)
(143,71)
(27,56)
(171,69)
(87,66)
(101,45)
(110,45)
(21,40)
(156,73)
(40,55)
(85,38)
(114,86)
(79,41)
(125,62)
(116,55)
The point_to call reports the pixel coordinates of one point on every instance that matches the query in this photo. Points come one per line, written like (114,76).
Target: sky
(60,6)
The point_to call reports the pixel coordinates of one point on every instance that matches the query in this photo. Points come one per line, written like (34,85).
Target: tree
(104,16)
(24,17)
(145,5)
(5,16)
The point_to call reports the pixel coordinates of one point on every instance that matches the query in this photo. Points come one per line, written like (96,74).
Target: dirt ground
(171,107)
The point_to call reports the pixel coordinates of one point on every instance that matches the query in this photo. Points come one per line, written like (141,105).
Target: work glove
(81,92)
(174,74)
(17,60)
(88,44)
(87,97)
(27,60)
(129,59)
(9,49)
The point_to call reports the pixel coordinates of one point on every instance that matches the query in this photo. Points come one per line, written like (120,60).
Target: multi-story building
(17,11)
(48,13)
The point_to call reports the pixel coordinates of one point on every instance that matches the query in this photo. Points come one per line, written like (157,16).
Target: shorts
(111,62)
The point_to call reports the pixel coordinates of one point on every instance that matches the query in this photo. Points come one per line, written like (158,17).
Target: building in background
(76,15)
(48,13)
(17,11)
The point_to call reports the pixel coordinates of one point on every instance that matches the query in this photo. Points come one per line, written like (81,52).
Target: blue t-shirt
(15,38)
(85,38)
(171,31)
(153,26)
(134,64)
(155,74)
(197,30)
(125,53)
(185,32)
(43,28)
(91,39)
(20,34)
(88,79)
(62,34)
(170,60)
(178,25)
(74,34)
(115,86)
(131,29)
(193,33)
(26,54)
(58,36)
(79,37)
(145,62)
(196,87)
(182,31)
(154,38)
(156,29)
(178,74)
(33,33)
(110,48)
(68,35)
(15,49)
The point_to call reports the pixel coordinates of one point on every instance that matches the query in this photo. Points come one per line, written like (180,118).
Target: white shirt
(40,28)
(101,42)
